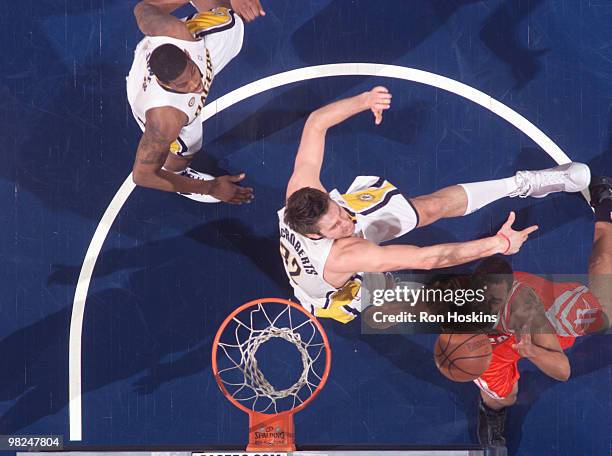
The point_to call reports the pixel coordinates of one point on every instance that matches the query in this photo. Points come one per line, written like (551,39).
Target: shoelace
(523,185)
(528,180)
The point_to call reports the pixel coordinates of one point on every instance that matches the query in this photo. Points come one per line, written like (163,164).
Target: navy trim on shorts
(351,310)
(418,219)
(204,33)
(383,203)
(183,147)
(379,183)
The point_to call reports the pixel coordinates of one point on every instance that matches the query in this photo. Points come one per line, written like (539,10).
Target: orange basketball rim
(271,424)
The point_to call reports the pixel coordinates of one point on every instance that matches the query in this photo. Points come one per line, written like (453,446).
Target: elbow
(137,9)
(140,178)
(315,121)
(565,373)
(427,264)
(138,12)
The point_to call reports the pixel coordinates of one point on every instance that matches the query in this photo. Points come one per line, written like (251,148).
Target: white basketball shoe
(193,174)
(570,178)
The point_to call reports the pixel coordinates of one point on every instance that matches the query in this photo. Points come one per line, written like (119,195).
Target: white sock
(479,194)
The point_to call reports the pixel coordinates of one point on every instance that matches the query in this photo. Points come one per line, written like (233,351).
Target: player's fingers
(377,117)
(380,89)
(261,10)
(525,333)
(380,107)
(246,13)
(239,199)
(244,192)
(250,14)
(244,195)
(510,220)
(531,229)
(255,7)
(237,177)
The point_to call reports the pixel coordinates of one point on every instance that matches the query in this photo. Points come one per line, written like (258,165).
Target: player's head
(494,276)
(312,213)
(174,69)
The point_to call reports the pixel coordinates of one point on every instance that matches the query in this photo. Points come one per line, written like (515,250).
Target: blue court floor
(170,269)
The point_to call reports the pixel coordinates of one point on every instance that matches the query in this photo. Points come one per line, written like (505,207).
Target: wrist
(363,101)
(533,352)
(207,186)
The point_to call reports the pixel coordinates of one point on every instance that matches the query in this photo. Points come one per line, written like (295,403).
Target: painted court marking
(249,90)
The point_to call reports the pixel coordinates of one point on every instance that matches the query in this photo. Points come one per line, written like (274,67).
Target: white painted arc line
(78,307)
(397,72)
(249,90)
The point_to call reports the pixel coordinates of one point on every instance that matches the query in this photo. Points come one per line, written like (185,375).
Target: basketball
(462,357)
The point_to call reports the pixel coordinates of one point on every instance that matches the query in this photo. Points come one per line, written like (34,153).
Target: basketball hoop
(238,373)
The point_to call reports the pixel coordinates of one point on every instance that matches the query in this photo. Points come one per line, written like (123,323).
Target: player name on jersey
(307,266)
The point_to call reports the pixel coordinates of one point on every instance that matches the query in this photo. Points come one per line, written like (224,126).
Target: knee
(510,399)
(426,210)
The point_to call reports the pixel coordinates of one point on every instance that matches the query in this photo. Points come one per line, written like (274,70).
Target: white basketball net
(243,378)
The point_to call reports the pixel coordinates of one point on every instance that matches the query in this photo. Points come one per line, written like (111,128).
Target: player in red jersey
(538,319)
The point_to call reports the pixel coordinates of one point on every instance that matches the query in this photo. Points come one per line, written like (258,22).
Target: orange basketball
(462,357)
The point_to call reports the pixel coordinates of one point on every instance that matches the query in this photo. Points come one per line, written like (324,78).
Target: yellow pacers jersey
(381,213)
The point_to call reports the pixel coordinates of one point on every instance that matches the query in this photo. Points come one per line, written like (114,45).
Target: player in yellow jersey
(330,241)
(173,68)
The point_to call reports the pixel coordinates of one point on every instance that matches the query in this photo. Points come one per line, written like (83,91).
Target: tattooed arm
(163,126)
(154,19)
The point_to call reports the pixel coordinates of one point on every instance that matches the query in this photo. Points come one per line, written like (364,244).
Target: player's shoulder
(346,246)
(165,120)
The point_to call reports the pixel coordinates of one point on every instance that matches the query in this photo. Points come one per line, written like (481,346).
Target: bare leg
(492,417)
(463,199)
(600,267)
(498,404)
(448,202)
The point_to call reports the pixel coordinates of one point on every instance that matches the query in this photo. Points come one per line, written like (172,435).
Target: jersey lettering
(297,247)
(291,264)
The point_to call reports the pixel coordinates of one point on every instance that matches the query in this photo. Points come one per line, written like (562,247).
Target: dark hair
(167,62)
(494,269)
(304,209)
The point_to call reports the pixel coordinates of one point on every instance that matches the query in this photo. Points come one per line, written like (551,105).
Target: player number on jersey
(291,263)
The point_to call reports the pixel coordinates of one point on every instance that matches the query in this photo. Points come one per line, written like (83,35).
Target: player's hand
(377,100)
(514,239)
(249,10)
(226,189)
(524,346)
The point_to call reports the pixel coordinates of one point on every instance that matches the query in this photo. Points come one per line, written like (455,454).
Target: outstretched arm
(163,126)
(356,254)
(307,168)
